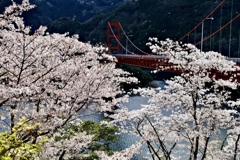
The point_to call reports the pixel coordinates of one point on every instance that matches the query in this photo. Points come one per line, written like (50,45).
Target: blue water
(126,140)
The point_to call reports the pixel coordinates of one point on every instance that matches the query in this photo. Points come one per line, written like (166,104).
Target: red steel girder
(111,36)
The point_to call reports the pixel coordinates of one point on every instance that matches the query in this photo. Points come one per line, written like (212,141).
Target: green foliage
(144,77)
(92,156)
(20,143)
(64,25)
(48,11)
(103,135)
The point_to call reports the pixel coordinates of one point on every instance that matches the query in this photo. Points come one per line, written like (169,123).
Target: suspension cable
(118,40)
(211,38)
(230,34)
(210,14)
(219,29)
(195,35)
(220,36)
(238,43)
(132,42)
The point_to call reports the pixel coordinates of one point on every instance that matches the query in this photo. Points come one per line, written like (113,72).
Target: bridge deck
(150,61)
(155,61)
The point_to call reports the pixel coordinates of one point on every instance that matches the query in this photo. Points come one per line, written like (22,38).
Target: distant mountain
(139,18)
(168,19)
(48,11)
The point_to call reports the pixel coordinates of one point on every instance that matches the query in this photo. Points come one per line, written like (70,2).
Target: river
(125,140)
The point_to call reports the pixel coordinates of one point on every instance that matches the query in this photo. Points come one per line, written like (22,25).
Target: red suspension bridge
(140,58)
(137,58)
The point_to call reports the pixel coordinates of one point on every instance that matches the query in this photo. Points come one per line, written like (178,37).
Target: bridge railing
(237,60)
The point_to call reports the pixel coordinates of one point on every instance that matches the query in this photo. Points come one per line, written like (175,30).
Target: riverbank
(146,77)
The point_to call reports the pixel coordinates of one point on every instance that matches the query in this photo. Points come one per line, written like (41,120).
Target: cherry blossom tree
(184,119)
(53,80)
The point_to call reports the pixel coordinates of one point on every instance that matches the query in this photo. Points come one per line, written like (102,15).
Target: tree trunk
(236,148)
(195,154)
(62,155)
(225,139)
(205,148)
(191,151)
(12,118)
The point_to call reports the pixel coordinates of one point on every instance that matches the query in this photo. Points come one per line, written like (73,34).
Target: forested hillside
(139,18)
(168,19)
(47,11)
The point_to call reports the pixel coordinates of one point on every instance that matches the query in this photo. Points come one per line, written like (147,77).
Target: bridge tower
(111,35)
